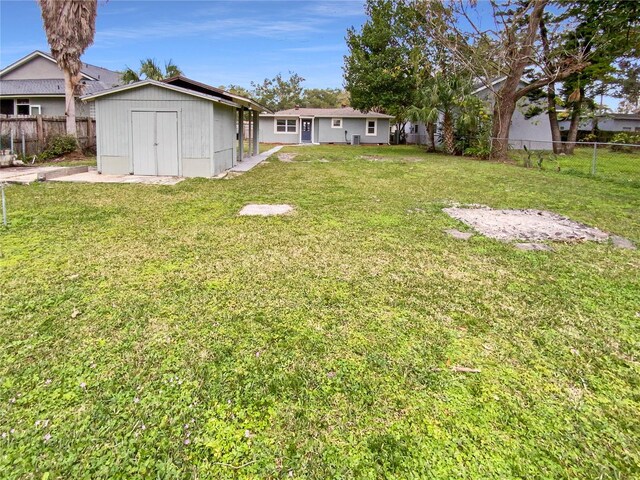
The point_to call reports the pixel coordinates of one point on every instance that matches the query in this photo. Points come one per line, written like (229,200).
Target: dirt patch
(525,225)
(287,157)
(373,158)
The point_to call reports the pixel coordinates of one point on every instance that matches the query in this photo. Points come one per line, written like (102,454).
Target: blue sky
(215,42)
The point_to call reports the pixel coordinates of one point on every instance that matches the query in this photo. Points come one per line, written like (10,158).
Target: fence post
(24,150)
(593,161)
(40,132)
(4,206)
(11,141)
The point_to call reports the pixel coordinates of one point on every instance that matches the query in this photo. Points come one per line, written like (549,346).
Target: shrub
(58,146)
(623,139)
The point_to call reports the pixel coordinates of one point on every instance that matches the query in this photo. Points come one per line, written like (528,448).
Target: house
(324,125)
(534,132)
(176,127)
(34,85)
(612,122)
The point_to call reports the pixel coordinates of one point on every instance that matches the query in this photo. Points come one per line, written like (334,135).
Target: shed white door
(167,142)
(155,143)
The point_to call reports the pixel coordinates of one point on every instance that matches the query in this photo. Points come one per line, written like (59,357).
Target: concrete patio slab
(265,210)
(26,174)
(92,176)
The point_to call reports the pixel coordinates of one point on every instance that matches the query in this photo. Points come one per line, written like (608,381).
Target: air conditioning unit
(355,139)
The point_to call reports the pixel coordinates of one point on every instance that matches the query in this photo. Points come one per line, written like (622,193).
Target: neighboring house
(176,127)
(534,132)
(324,125)
(612,122)
(34,85)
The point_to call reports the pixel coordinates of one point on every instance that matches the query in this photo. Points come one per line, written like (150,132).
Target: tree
(324,98)
(515,50)
(236,90)
(627,83)
(279,93)
(603,30)
(149,69)
(447,96)
(379,71)
(70,26)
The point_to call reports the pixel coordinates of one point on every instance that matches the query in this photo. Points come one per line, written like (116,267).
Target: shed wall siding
(224,134)
(113,125)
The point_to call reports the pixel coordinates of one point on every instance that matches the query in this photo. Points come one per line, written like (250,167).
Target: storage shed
(176,127)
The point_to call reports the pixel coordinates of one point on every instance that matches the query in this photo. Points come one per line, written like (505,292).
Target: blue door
(305,124)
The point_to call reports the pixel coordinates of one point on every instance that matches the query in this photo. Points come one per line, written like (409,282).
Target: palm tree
(445,96)
(149,69)
(70,26)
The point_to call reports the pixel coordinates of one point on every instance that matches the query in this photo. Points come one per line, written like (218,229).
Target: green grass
(617,167)
(153,333)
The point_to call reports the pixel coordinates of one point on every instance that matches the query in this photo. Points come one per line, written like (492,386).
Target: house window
(286,125)
(372,127)
(336,123)
(626,128)
(7,106)
(35,110)
(22,106)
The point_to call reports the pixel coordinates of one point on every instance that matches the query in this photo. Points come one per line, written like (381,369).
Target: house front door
(305,125)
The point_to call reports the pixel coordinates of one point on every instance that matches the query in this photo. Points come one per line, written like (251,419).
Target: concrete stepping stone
(265,210)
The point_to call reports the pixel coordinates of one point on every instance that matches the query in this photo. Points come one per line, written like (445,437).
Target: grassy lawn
(150,332)
(618,167)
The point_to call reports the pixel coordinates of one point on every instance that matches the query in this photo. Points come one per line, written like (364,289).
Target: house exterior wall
(353,126)
(536,130)
(267,133)
(196,123)
(37,67)
(606,125)
(54,106)
(323,133)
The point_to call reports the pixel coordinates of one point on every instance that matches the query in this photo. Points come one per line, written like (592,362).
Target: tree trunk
(553,119)
(502,113)
(70,102)
(519,56)
(572,136)
(447,133)
(431,131)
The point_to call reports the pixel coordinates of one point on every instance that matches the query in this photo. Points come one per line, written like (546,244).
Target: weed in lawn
(321,343)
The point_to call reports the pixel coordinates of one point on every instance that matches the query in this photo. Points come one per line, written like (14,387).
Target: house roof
(181,81)
(623,116)
(46,87)
(88,71)
(167,86)
(344,112)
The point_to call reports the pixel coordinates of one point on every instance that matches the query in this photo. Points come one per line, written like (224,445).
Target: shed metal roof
(142,83)
(181,81)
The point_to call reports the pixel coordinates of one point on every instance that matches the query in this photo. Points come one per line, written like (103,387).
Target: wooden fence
(31,133)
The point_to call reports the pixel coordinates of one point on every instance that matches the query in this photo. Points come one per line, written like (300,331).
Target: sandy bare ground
(287,157)
(525,225)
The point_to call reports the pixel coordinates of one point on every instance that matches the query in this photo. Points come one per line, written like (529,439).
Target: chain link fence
(615,161)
